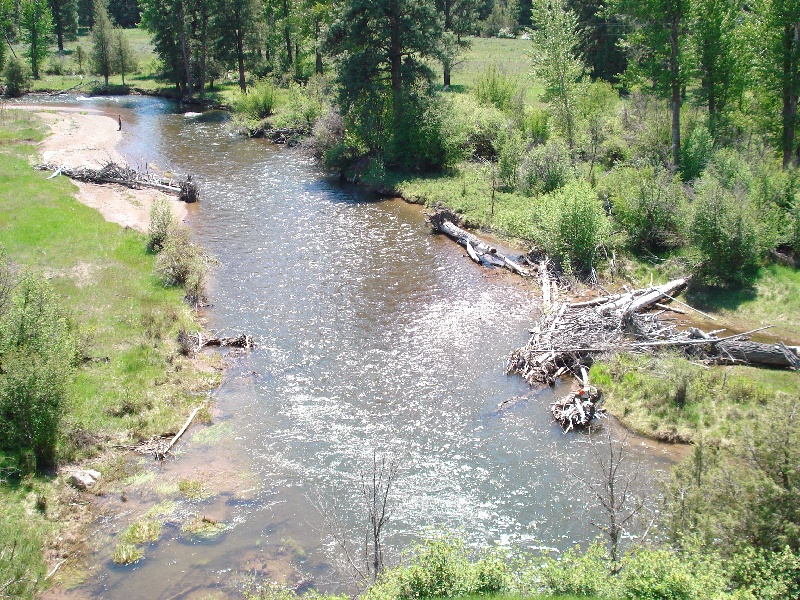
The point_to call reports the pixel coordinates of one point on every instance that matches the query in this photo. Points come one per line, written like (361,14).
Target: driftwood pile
(112,172)
(479,251)
(577,409)
(192,343)
(570,335)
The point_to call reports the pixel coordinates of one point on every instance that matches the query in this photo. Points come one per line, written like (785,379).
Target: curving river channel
(374,335)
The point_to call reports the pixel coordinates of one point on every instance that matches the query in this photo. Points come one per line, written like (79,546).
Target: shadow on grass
(716,298)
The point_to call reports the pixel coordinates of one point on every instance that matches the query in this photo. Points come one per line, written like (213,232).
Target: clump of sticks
(569,336)
(112,172)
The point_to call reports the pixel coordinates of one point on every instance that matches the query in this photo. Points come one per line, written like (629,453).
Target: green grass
(509,55)
(669,398)
(143,79)
(135,384)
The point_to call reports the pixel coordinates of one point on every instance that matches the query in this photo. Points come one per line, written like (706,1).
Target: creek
(373,335)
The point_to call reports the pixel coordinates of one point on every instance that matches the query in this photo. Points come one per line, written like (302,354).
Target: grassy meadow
(132,383)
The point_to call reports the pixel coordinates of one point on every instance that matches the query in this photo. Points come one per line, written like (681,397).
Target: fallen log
(654,295)
(239,341)
(755,353)
(577,409)
(444,222)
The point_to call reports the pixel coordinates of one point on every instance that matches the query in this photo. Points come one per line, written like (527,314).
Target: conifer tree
(102,41)
(36,25)
(383,48)
(65,20)
(123,58)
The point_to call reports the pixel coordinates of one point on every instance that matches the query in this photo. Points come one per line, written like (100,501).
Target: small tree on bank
(124,60)
(102,41)
(36,26)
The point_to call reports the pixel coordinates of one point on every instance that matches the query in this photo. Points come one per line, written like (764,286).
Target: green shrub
(649,203)
(496,88)
(17,78)
(38,354)
(765,574)
(545,169)
(512,149)
(183,263)
(696,152)
(471,130)
(579,573)
(725,233)
(418,142)
(300,110)
(575,226)
(259,103)
(658,574)
(161,220)
(535,125)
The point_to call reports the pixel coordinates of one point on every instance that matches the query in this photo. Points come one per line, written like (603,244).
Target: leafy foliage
(724,231)
(37,359)
(16,76)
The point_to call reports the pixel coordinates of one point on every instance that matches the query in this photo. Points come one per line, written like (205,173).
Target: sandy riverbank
(91,139)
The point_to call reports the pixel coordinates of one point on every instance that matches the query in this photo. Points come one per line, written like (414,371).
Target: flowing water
(374,336)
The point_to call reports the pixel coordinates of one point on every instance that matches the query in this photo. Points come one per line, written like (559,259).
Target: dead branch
(112,172)
(479,251)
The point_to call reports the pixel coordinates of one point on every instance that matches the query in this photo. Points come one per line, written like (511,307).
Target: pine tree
(459,19)
(659,44)
(555,42)
(102,41)
(123,59)
(65,20)
(36,25)
(383,48)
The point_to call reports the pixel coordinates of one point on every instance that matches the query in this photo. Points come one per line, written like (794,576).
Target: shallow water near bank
(374,335)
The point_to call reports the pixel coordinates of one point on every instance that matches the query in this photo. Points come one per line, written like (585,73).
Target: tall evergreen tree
(719,50)
(555,42)
(102,55)
(383,48)
(65,20)
(660,58)
(778,44)
(459,19)
(235,21)
(36,25)
(599,36)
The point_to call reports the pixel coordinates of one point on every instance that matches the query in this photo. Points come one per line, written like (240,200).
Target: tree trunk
(754,353)
(395,55)
(446,69)
(318,67)
(185,51)
(240,59)
(791,85)
(674,68)
(287,38)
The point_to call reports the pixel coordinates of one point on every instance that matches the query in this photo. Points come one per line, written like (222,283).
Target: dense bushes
(724,230)
(648,203)
(38,355)
(258,103)
(575,226)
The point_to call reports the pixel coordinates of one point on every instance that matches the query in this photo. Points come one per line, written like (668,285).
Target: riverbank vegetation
(630,142)
(89,359)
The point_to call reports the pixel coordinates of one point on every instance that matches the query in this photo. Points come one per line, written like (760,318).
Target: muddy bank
(84,137)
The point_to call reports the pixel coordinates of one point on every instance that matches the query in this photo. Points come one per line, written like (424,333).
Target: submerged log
(477,249)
